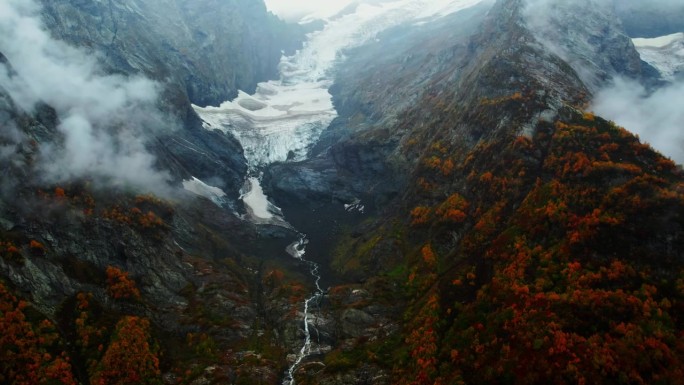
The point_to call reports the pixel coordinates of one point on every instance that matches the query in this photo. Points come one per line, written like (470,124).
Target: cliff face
(652,18)
(200,52)
(589,36)
(209,49)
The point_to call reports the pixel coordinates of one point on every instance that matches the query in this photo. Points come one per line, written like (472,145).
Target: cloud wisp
(104,119)
(657,117)
(294,10)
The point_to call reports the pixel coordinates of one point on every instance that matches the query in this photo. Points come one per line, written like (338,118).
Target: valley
(405,192)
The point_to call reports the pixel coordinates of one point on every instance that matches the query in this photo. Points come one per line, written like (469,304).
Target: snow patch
(259,209)
(255,199)
(658,42)
(200,188)
(355,206)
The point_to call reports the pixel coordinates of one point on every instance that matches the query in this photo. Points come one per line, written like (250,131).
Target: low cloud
(657,117)
(105,119)
(294,10)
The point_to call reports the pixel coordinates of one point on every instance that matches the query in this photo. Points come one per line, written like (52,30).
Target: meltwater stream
(284,118)
(297,250)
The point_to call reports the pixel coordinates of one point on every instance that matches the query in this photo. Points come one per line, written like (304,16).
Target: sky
(293,10)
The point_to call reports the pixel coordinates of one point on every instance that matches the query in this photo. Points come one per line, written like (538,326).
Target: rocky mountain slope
(210,49)
(199,56)
(95,115)
(509,227)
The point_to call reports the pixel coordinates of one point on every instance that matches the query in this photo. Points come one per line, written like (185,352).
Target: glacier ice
(200,188)
(284,118)
(665,53)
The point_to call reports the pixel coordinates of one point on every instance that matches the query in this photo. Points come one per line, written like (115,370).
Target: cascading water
(284,118)
(297,250)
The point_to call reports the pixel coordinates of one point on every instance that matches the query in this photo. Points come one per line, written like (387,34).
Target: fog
(293,10)
(657,118)
(104,118)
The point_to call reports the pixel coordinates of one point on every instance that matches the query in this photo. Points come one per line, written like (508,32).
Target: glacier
(284,118)
(665,53)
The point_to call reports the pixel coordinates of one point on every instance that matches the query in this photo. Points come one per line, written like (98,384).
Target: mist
(104,119)
(294,10)
(657,118)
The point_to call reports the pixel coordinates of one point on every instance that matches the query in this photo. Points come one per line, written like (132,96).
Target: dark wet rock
(209,49)
(365,375)
(590,37)
(355,322)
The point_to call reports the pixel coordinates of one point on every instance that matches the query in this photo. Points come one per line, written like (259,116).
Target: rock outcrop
(208,49)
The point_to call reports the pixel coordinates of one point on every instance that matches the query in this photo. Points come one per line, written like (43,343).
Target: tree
(119,286)
(25,349)
(131,357)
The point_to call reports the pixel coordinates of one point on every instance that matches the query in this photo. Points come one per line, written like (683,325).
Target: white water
(285,117)
(297,251)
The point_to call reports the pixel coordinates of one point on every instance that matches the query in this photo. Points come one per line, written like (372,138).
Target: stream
(284,118)
(297,250)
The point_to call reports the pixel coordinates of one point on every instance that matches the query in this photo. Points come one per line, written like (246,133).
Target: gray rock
(355,322)
(208,48)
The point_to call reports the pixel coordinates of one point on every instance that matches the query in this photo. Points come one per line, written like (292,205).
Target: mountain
(420,194)
(97,125)
(650,19)
(505,233)
(208,54)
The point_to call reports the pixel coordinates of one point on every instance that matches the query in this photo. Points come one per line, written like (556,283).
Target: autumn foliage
(119,286)
(131,357)
(10,252)
(29,353)
(565,264)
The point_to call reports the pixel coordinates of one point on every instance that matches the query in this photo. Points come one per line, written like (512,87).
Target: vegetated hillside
(105,285)
(556,260)
(100,283)
(534,243)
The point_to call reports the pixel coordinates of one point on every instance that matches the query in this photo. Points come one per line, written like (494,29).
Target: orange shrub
(131,357)
(119,286)
(420,215)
